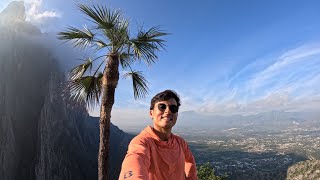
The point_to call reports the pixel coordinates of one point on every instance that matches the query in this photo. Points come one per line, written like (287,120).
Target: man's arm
(137,161)
(190,164)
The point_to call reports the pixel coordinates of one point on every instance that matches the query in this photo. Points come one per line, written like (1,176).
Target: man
(156,153)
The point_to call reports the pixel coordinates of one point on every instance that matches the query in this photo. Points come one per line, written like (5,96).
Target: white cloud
(290,66)
(36,14)
(273,102)
(289,82)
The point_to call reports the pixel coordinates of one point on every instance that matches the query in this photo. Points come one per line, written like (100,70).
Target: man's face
(164,119)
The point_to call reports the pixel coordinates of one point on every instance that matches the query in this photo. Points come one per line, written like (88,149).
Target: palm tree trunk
(109,83)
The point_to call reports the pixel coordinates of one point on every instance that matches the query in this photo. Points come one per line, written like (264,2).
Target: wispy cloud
(37,14)
(292,67)
(286,82)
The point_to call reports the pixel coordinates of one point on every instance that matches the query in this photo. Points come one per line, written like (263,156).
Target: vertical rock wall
(43,134)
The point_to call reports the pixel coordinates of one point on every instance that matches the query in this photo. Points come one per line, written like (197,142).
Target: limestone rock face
(13,18)
(15,11)
(44,135)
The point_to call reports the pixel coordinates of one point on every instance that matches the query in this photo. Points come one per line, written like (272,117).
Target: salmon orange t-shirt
(150,158)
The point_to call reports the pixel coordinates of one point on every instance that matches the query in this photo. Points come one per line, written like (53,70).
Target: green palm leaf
(87,89)
(80,38)
(153,33)
(146,45)
(101,44)
(122,35)
(140,88)
(126,60)
(101,15)
(79,70)
(118,35)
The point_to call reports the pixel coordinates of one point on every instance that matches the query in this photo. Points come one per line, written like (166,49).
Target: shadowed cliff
(43,134)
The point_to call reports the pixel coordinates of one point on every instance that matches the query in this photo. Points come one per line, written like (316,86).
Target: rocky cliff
(309,169)
(44,135)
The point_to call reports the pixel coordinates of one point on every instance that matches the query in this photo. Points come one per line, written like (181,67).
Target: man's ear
(151,113)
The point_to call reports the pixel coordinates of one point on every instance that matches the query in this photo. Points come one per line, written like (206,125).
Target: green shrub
(206,172)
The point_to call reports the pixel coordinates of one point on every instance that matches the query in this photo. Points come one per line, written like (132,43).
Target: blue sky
(222,57)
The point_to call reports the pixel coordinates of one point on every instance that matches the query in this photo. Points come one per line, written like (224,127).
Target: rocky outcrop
(309,169)
(44,135)
(14,12)
(13,18)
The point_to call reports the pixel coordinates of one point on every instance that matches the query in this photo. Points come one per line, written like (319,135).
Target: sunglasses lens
(163,107)
(173,108)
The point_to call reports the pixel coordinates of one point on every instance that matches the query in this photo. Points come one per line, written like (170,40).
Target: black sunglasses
(173,108)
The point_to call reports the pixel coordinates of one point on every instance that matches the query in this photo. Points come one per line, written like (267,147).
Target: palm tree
(109,32)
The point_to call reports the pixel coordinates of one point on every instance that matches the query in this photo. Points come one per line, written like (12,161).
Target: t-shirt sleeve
(137,161)
(190,164)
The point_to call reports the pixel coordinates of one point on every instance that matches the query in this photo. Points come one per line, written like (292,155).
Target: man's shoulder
(179,139)
(143,137)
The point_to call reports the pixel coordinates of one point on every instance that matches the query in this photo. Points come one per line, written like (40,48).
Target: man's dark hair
(164,96)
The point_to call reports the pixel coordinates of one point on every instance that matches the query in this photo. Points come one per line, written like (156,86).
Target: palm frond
(100,44)
(118,35)
(103,17)
(140,88)
(122,35)
(113,26)
(146,44)
(87,89)
(153,33)
(79,38)
(79,70)
(126,60)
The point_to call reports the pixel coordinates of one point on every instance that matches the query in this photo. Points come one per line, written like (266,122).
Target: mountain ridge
(44,134)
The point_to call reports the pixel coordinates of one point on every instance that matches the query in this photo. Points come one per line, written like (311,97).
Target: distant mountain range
(43,133)
(268,121)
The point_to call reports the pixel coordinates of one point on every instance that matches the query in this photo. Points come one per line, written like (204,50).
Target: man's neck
(163,134)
